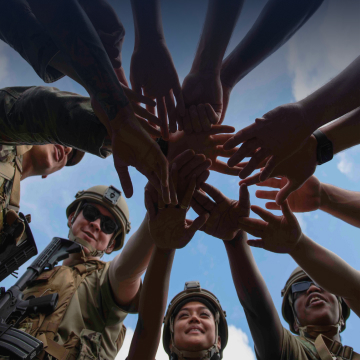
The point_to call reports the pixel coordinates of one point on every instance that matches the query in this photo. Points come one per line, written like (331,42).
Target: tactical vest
(327,349)
(10,222)
(65,281)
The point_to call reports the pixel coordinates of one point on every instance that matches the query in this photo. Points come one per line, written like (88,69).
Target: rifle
(12,256)
(13,309)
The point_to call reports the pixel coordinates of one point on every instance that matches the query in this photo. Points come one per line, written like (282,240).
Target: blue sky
(320,50)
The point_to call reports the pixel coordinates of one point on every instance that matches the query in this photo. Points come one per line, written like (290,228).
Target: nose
(313,287)
(96,224)
(194,318)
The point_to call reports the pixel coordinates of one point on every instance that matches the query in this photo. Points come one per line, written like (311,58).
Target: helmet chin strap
(314,331)
(93,251)
(213,353)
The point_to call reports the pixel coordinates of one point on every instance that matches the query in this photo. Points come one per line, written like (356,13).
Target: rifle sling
(324,345)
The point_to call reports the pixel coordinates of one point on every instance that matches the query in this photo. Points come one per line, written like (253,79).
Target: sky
(323,47)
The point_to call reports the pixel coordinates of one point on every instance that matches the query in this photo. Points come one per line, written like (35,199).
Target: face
(90,231)
(49,158)
(316,306)
(194,328)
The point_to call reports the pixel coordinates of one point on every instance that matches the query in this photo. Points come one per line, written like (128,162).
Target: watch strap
(324,150)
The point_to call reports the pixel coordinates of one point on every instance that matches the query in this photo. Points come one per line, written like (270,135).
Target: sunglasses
(298,288)
(92,213)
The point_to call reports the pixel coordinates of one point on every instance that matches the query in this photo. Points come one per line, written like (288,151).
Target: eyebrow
(201,308)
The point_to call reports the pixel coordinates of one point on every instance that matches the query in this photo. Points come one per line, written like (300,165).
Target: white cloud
(327,44)
(348,165)
(301,220)
(237,348)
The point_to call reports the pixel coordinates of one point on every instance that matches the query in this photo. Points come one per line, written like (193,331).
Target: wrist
(240,236)
(165,252)
(298,244)
(324,196)
(148,41)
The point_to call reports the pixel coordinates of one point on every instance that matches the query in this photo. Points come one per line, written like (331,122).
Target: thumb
(256,243)
(197,224)
(285,192)
(290,217)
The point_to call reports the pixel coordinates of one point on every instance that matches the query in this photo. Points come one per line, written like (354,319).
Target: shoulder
(295,347)
(7,153)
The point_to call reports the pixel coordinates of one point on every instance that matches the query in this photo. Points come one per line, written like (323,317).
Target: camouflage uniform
(43,115)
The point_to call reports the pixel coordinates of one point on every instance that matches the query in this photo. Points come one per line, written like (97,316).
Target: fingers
(244,197)
(215,193)
(245,150)
(286,191)
(263,194)
(255,160)
(191,165)
(265,215)
(285,208)
(269,167)
(137,97)
(173,184)
(197,224)
(125,179)
(272,206)
(162,172)
(162,117)
(196,206)
(187,122)
(202,178)
(195,120)
(200,169)
(203,201)
(254,227)
(189,192)
(140,111)
(211,114)
(204,120)
(151,130)
(251,180)
(258,243)
(172,113)
(180,105)
(272,182)
(222,168)
(219,129)
(225,153)
(220,139)
(241,136)
(150,206)
(183,158)
(136,86)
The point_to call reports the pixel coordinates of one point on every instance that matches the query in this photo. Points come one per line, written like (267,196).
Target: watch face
(326,153)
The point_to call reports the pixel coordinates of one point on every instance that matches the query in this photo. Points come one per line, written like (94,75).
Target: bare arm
(127,267)
(262,317)
(152,307)
(276,24)
(329,270)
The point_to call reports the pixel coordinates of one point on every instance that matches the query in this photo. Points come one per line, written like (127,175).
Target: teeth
(314,299)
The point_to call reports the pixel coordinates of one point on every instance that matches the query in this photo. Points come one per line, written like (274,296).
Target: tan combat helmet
(193,292)
(112,200)
(288,311)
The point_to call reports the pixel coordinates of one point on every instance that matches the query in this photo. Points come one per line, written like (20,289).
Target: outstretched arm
(282,234)
(202,85)
(225,222)
(284,130)
(152,69)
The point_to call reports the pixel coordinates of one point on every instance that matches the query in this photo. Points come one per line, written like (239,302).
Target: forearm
(147,21)
(152,307)
(77,39)
(328,270)
(219,24)
(336,98)
(255,298)
(132,262)
(276,24)
(344,133)
(341,203)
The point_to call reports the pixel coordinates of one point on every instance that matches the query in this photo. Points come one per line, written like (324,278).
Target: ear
(296,327)
(44,176)
(219,342)
(70,218)
(111,247)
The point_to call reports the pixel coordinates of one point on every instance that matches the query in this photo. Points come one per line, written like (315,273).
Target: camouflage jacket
(42,115)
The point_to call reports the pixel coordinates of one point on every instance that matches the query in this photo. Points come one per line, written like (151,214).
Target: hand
(168,226)
(226,90)
(279,234)
(223,222)
(305,199)
(203,99)
(209,144)
(131,145)
(297,169)
(277,135)
(152,70)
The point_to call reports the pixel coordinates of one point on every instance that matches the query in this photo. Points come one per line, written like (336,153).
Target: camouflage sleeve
(42,115)
(20,29)
(75,36)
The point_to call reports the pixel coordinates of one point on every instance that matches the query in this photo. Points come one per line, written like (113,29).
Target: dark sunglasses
(92,213)
(300,287)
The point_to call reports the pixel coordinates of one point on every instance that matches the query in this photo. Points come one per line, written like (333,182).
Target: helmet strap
(213,353)
(313,331)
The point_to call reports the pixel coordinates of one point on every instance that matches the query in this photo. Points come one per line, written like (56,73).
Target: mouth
(194,330)
(59,153)
(89,235)
(314,300)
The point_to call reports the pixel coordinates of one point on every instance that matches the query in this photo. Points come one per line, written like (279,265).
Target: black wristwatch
(324,150)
